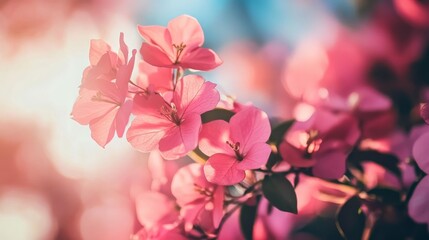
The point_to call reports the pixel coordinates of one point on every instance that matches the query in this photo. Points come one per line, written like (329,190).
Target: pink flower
(177,45)
(173,126)
(154,79)
(160,224)
(235,146)
(418,204)
(196,195)
(322,142)
(103,102)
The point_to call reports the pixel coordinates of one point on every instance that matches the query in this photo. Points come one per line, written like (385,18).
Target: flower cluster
(240,160)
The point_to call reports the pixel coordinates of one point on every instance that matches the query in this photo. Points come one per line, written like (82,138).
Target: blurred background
(57,183)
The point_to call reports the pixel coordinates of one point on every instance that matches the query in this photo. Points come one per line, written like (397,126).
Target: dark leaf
(217,114)
(386,195)
(280,193)
(247,219)
(351,219)
(388,161)
(279,131)
(273,160)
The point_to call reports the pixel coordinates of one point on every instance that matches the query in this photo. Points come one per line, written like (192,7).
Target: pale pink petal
(179,140)
(159,78)
(123,76)
(330,164)
(182,185)
(255,157)
(201,59)
(146,202)
(157,36)
(218,198)
(195,95)
(186,29)
(103,128)
(424,112)
(418,205)
(123,48)
(123,116)
(191,211)
(250,126)
(222,169)
(213,138)
(97,49)
(85,109)
(145,132)
(157,168)
(421,152)
(155,56)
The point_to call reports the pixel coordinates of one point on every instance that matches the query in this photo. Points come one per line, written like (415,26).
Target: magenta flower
(173,126)
(103,102)
(322,142)
(235,146)
(195,195)
(177,45)
(418,204)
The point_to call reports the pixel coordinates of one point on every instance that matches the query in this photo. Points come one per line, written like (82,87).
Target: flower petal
(155,56)
(218,198)
(330,164)
(250,126)
(85,109)
(424,112)
(97,49)
(294,156)
(186,29)
(123,116)
(213,138)
(145,132)
(181,139)
(201,59)
(183,184)
(255,157)
(421,152)
(222,169)
(157,36)
(103,128)
(418,204)
(195,95)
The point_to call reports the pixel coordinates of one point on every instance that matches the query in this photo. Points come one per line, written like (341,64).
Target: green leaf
(280,193)
(247,219)
(273,160)
(279,131)
(351,219)
(216,114)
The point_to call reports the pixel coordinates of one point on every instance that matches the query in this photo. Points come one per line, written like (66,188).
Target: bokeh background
(57,183)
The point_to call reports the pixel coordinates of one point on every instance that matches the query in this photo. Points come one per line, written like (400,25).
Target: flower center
(170,112)
(98,97)
(179,50)
(236,148)
(202,190)
(310,141)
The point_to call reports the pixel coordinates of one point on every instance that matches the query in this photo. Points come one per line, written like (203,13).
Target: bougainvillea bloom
(235,146)
(177,45)
(195,194)
(102,101)
(173,125)
(154,79)
(159,224)
(322,142)
(418,205)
